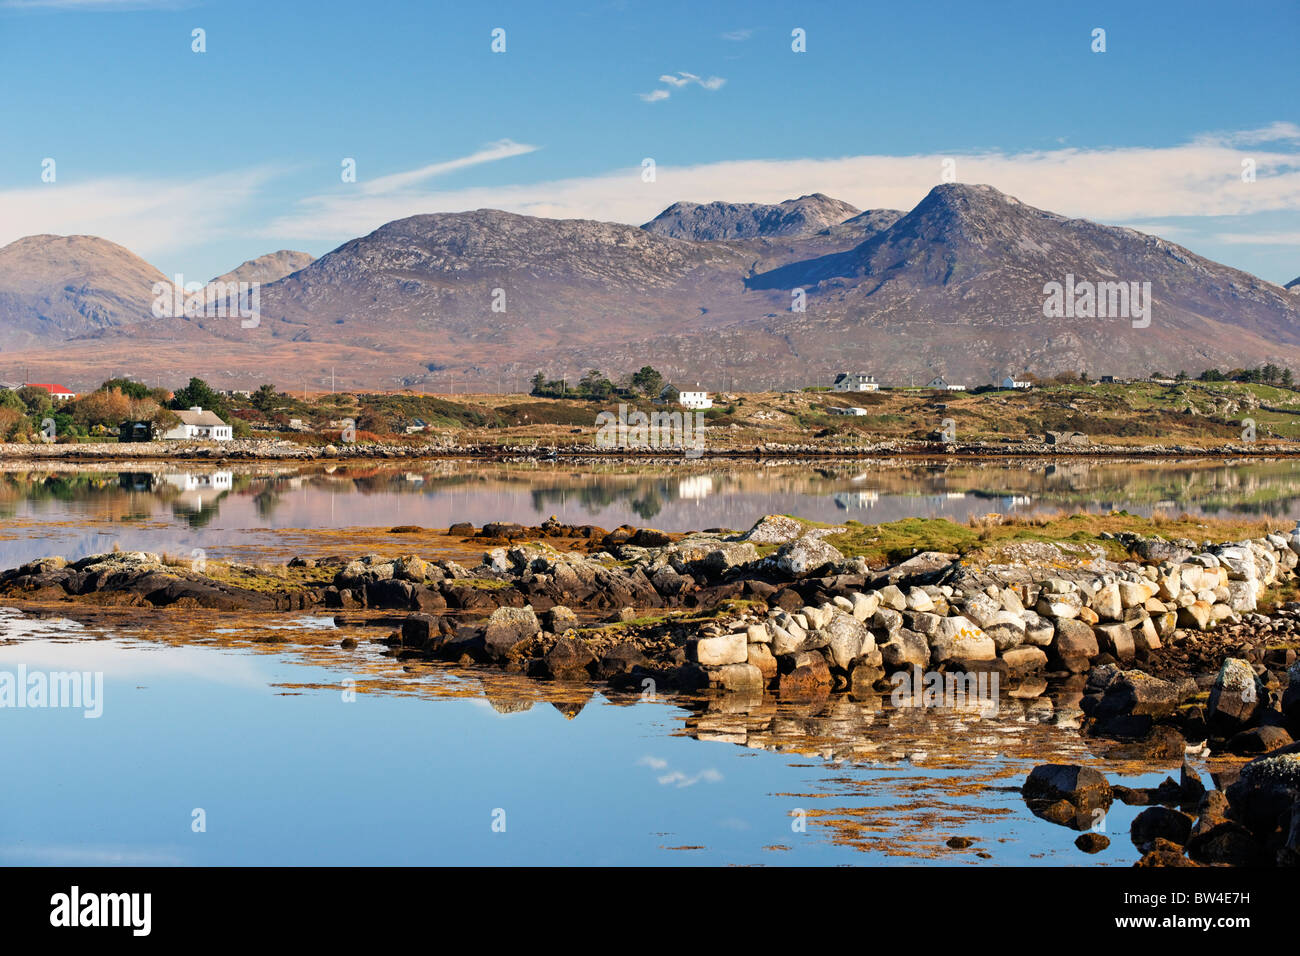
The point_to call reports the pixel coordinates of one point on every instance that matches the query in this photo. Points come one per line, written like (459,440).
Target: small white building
(60,393)
(855,382)
(852,410)
(671,394)
(211,481)
(939,382)
(199,424)
(1010,382)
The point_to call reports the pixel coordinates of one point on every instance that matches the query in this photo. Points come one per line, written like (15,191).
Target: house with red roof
(60,393)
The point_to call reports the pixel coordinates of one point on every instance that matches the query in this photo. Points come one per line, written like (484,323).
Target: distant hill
(482,299)
(57,288)
(268,268)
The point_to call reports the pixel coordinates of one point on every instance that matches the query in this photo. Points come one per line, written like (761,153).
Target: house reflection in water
(695,487)
(856,500)
(199,492)
(135,481)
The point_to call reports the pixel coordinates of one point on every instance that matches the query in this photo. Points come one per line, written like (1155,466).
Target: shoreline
(270,451)
(1158,644)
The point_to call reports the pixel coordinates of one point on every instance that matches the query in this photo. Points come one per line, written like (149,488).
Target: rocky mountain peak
(269,267)
(804,216)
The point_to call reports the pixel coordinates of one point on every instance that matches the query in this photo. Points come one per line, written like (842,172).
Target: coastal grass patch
(894,541)
(482,584)
(269,579)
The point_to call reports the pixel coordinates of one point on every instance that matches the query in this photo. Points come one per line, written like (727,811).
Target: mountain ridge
(955,286)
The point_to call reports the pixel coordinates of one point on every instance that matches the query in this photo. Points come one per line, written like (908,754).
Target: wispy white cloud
(679,80)
(145,215)
(711,83)
(1184,185)
(677,778)
(1259,238)
(150,216)
(1277,132)
(1125,185)
(502,149)
(84,855)
(737,36)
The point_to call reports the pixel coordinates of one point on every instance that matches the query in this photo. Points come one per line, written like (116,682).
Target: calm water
(416,769)
(228,512)
(252,725)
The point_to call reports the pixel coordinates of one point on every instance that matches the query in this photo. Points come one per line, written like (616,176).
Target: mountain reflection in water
(382,760)
(78,510)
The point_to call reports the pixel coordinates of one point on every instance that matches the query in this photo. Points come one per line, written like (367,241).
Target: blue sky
(198,161)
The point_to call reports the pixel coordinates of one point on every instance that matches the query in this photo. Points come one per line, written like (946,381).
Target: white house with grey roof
(855,382)
(197,424)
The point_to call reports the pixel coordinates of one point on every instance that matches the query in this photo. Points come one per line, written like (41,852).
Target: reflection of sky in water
(307,778)
(81,512)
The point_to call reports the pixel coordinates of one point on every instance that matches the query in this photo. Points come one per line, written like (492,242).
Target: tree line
(647,382)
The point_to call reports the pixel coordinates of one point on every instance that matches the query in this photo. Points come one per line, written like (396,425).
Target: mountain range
(732,295)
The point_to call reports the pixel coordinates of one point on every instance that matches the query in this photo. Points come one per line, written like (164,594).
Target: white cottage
(855,382)
(671,394)
(939,382)
(199,424)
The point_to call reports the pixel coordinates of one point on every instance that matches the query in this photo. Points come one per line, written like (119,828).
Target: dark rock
(620,535)
(1164,853)
(390,593)
(1234,698)
(569,659)
(650,538)
(1162,743)
(1223,841)
(1131,796)
(1067,794)
(1092,842)
(619,659)
(1161,822)
(804,673)
(1135,693)
(508,530)
(424,598)
(1073,646)
(1266,788)
(420,631)
(1191,790)
(1259,740)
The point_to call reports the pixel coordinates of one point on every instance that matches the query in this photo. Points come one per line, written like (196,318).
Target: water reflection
(72,509)
(586,774)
